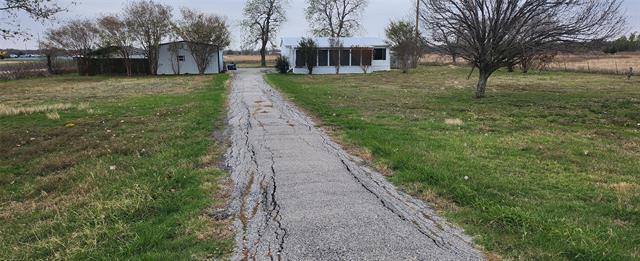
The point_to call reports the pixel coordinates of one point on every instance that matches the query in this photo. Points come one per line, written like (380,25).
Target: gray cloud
(377,16)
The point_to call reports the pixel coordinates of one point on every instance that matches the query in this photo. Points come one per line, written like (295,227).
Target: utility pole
(417,19)
(416,59)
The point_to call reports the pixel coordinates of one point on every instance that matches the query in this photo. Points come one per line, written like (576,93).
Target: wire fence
(618,64)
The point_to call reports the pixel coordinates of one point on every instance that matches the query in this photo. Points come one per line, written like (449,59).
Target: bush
(282,64)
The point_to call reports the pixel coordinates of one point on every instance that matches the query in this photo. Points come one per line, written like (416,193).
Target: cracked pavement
(299,196)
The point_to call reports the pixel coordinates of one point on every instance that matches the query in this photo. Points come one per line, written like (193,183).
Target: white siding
(168,62)
(376,65)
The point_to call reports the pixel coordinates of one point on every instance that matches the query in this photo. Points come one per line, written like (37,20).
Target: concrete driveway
(299,196)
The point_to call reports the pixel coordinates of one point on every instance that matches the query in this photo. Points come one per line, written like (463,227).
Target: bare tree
(335,53)
(149,23)
(204,34)
(402,40)
(38,10)
(51,53)
(449,43)
(77,38)
(114,31)
(334,18)
(262,22)
(493,32)
(528,57)
(174,50)
(546,59)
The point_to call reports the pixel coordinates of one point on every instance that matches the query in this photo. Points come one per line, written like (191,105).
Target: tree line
(488,34)
(624,44)
(143,24)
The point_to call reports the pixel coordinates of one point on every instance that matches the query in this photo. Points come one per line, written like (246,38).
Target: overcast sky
(377,16)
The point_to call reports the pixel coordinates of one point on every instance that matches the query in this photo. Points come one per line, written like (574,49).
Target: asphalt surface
(299,196)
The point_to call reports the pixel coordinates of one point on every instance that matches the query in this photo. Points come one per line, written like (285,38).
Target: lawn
(546,167)
(112,168)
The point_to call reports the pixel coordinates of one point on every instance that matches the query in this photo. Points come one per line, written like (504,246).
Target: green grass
(127,172)
(551,160)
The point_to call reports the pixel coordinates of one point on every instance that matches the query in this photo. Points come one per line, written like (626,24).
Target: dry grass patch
(625,192)
(47,108)
(53,115)
(454,122)
(77,90)
(589,62)
(249,61)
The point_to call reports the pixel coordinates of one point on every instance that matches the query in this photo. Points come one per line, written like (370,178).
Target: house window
(323,58)
(366,57)
(181,58)
(380,54)
(345,58)
(355,57)
(299,59)
(334,57)
(361,56)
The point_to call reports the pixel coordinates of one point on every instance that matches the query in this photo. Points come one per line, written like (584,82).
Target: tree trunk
(49,65)
(263,55)
(127,65)
(153,62)
(482,83)
(525,66)
(202,64)
(405,64)
(265,38)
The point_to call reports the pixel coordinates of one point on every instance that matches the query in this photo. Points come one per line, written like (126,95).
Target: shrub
(307,48)
(282,64)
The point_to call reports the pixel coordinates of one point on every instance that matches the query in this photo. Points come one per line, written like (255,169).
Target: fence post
(588,66)
(616,62)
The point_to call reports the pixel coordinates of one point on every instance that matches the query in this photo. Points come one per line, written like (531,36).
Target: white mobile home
(350,54)
(176,58)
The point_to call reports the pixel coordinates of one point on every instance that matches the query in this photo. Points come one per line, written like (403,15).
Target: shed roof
(183,41)
(114,50)
(325,42)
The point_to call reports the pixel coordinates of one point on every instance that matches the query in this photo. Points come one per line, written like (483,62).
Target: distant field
(249,61)
(112,168)
(600,63)
(9,62)
(547,167)
(595,63)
